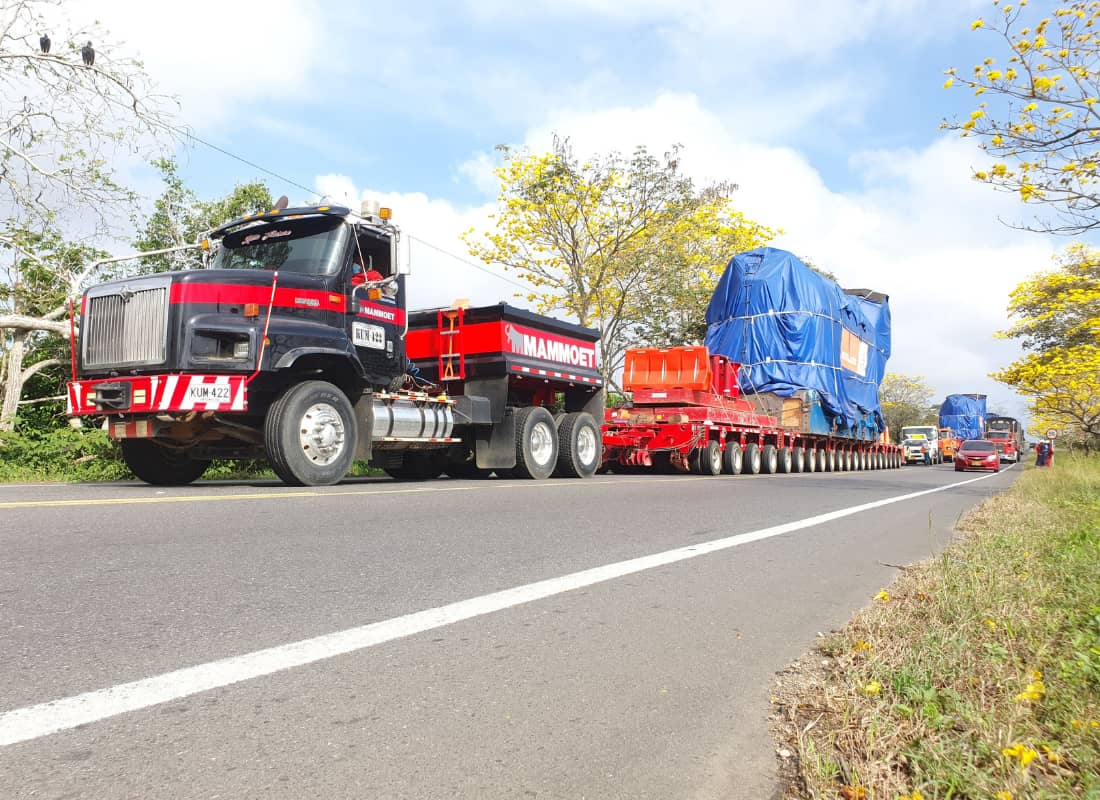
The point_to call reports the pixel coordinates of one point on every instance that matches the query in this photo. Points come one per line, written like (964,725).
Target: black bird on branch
(44,42)
(88,54)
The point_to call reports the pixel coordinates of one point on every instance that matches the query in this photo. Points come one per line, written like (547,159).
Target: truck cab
(292,345)
(923,439)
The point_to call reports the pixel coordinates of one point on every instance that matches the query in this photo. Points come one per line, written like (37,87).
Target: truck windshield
(311,246)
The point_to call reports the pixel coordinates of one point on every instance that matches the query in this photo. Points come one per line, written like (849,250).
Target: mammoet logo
(533,344)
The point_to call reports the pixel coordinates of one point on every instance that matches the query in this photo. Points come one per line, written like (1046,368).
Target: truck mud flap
(495,445)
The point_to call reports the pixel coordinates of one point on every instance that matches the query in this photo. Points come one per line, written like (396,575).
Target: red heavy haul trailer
(688,415)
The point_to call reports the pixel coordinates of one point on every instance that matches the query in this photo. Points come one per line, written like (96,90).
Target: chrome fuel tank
(399,418)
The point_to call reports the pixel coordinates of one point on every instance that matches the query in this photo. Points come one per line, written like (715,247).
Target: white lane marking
(32,722)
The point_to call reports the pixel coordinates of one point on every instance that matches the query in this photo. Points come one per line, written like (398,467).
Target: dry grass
(979,661)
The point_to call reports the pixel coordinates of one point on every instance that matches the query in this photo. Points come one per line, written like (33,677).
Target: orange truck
(949,443)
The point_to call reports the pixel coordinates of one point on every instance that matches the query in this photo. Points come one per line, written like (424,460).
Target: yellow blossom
(1076,723)
(1000,170)
(947,83)
(1004,795)
(883,595)
(914,796)
(861,646)
(1025,755)
(981,176)
(977,114)
(874,687)
(1036,675)
(1052,757)
(1030,107)
(976,24)
(994,75)
(990,624)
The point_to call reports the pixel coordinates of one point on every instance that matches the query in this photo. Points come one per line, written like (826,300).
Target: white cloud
(442,269)
(918,228)
(216,56)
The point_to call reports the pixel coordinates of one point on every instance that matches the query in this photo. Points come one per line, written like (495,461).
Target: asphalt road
(555,659)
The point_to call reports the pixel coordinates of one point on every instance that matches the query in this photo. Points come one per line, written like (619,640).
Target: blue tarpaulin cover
(964,414)
(791,328)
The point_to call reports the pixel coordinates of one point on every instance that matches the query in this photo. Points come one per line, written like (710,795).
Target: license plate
(975,463)
(207,393)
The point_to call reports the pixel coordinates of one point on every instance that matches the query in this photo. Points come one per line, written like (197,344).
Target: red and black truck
(294,344)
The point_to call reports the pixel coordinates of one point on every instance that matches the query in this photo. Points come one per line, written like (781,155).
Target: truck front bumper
(154,394)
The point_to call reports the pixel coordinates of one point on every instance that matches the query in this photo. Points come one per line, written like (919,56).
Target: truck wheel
(751,463)
(830,460)
(536,443)
(418,466)
(820,460)
(580,446)
(769,460)
(810,464)
(798,460)
(707,460)
(310,434)
(784,460)
(160,466)
(732,458)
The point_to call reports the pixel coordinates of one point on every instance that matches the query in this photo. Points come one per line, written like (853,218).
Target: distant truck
(920,439)
(949,444)
(965,415)
(1008,435)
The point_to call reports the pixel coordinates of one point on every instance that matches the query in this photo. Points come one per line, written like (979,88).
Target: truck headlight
(221,345)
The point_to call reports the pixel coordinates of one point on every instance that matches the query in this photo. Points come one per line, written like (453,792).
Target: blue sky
(825,114)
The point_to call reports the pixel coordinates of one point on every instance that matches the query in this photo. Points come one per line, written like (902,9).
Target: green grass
(68,455)
(992,647)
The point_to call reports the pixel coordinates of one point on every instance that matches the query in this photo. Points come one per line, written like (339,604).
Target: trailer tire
(784,460)
(820,460)
(811,460)
(798,460)
(830,460)
(751,463)
(536,443)
(769,460)
(732,458)
(159,466)
(418,465)
(289,441)
(707,460)
(580,448)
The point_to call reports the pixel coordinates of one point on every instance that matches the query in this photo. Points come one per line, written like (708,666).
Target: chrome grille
(128,328)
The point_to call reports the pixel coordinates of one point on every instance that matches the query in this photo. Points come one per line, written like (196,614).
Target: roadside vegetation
(976,674)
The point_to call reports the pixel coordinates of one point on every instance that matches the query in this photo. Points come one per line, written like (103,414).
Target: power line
(473,264)
(254,165)
(189,135)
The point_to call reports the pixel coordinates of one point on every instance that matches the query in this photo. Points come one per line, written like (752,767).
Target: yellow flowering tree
(1038,118)
(1057,318)
(627,244)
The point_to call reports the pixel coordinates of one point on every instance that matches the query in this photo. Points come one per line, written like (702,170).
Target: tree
(1061,307)
(1057,319)
(63,125)
(626,244)
(1063,386)
(180,218)
(906,400)
(1039,117)
(34,294)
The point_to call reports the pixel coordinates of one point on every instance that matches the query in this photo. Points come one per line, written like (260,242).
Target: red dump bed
(489,341)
